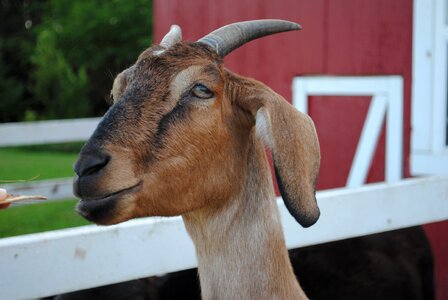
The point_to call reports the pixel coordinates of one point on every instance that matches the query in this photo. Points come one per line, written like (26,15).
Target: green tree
(58,58)
(11,93)
(16,45)
(90,41)
(60,89)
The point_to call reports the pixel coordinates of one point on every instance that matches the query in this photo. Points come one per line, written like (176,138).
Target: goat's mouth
(101,210)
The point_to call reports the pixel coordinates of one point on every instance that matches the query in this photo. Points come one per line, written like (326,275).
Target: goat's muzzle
(99,194)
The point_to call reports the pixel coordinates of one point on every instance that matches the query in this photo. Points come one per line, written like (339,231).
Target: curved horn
(172,37)
(226,39)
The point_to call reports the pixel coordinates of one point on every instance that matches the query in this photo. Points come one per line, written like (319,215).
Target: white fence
(44,132)
(386,105)
(54,189)
(61,261)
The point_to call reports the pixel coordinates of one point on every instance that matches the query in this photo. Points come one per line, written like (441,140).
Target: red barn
(371,73)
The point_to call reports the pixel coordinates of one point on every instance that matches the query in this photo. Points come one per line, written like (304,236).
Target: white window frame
(429,152)
(387,99)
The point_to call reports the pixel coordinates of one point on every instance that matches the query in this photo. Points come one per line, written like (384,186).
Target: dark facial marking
(145,82)
(178,113)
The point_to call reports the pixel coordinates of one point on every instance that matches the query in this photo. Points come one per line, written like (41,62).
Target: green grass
(21,164)
(72,147)
(47,161)
(34,218)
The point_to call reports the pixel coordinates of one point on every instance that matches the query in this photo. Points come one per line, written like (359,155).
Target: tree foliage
(16,46)
(59,88)
(74,50)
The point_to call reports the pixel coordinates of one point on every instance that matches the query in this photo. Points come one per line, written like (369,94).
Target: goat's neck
(240,247)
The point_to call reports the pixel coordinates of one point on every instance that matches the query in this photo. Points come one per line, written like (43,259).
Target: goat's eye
(201,91)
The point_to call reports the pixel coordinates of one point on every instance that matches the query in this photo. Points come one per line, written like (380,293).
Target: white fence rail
(54,189)
(44,132)
(56,262)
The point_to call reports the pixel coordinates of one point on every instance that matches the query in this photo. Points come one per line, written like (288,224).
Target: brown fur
(175,154)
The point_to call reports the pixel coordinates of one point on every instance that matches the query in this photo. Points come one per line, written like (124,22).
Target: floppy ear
(292,139)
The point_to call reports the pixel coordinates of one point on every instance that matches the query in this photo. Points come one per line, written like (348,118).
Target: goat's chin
(109,210)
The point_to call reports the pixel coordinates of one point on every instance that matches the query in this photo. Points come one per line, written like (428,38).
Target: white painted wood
(440,69)
(43,132)
(345,85)
(429,163)
(54,189)
(61,261)
(299,95)
(422,75)
(387,95)
(56,262)
(429,152)
(367,142)
(394,131)
(372,208)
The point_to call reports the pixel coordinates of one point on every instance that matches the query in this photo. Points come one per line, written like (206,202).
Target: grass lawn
(34,218)
(47,162)
(20,164)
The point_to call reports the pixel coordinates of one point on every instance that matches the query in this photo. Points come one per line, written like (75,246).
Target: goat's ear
(292,139)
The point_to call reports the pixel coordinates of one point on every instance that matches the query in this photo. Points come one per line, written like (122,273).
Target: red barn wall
(345,38)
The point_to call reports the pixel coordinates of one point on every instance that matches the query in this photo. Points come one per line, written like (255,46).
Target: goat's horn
(226,39)
(172,37)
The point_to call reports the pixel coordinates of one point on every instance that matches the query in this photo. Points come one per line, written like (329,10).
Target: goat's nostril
(89,164)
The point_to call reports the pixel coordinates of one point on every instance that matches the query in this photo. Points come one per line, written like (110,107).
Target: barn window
(385,94)
(429,149)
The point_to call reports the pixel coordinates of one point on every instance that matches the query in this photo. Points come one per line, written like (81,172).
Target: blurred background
(58,60)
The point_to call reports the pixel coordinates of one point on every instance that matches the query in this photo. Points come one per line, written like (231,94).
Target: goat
(185,136)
